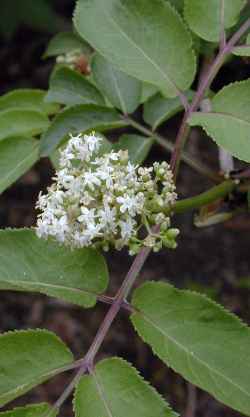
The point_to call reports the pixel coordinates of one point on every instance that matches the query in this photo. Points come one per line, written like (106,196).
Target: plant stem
(218,192)
(169,146)
(204,85)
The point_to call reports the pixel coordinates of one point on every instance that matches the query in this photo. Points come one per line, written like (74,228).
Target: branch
(204,85)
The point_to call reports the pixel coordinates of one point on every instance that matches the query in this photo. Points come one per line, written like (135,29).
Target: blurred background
(213,260)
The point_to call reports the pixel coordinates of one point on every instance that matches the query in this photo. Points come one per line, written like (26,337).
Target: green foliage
(123,92)
(32,264)
(18,122)
(141,38)
(243,50)
(28,358)
(159,109)
(205,20)
(115,389)
(27,99)
(76,119)
(34,410)
(69,87)
(148,90)
(178,4)
(138,147)
(229,121)
(17,155)
(198,339)
(65,42)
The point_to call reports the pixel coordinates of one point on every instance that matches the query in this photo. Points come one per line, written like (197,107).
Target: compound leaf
(28,358)
(141,38)
(115,389)
(36,265)
(198,338)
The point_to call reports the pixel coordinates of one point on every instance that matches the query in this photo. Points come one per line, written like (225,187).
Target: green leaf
(20,122)
(27,99)
(70,88)
(178,4)
(148,90)
(76,119)
(36,265)
(28,358)
(34,410)
(141,38)
(17,155)
(198,338)
(138,147)
(159,109)
(115,389)
(123,91)
(243,50)
(229,121)
(206,21)
(65,42)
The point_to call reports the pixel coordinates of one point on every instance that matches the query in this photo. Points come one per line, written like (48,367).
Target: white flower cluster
(104,200)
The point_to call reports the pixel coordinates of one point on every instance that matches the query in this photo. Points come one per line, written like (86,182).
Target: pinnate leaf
(28,358)
(18,122)
(228,123)
(123,92)
(69,87)
(205,20)
(138,147)
(77,119)
(27,99)
(115,389)
(34,410)
(141,38)
(198,338)
(17,155)
(32,264)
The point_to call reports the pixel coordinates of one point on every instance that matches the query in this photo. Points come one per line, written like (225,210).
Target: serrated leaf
(69,87)
(36,265)
(17,155)
(28,358)
(27,99)
(15,122)
(243,50)
(76,119)
(206,21)
(65,42)
(115,389)
(229,121)
(122,91)
(34,410)
(138,36)
(159,109)
(138,147)
(198,338)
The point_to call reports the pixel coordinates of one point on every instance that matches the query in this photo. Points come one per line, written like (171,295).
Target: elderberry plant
(130,64)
